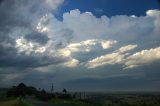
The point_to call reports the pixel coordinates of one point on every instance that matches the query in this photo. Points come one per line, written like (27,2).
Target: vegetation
(137,99)
(64,98)
(15,102)
(3,93)
(64,102)
(21,90)
(9,103)
(21,102)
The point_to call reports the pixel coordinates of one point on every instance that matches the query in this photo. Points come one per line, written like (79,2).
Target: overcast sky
(91,45)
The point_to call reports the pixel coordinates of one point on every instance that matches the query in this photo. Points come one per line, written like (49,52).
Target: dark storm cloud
(37,37)
(66,35)
(12,14)
(17,19)
(10,58)
(20,14)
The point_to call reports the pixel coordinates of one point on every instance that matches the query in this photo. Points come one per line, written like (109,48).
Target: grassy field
(133,99)
(3,94)
(9,103)
(15,102)
(63,102)
(93,99)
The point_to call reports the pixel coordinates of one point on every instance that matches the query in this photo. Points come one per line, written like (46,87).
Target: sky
(80,45)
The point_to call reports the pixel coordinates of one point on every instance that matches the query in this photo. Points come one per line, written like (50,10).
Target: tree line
(22,90)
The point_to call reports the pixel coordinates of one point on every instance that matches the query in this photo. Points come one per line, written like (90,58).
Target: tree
(11,92)
(64,91)
(21,90)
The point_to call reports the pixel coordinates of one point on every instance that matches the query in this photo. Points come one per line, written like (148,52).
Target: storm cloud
(18,20)
(79,48)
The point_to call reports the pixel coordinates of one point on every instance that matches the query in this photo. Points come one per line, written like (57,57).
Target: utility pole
(52,88)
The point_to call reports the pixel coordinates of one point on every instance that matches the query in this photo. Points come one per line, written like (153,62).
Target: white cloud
(121,56)
(29,47)
(22,46)
(89,42)
(120,27)
(41,24)
(54,3)
(85,25)
(108,44)
(87,31)
(78,32)
(86,46)
(153,13)
(113,58)
(107,59)
(143,57)
(71,63)
(127,48)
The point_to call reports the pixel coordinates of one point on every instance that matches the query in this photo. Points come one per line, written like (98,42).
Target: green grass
(9,103)
(15,102)
(63,102)
(23,103)
(3,95)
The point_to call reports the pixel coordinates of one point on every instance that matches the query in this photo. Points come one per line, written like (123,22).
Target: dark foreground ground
(92,99)
(126,99)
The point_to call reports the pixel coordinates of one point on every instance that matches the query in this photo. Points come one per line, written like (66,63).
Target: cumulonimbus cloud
(30,31)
